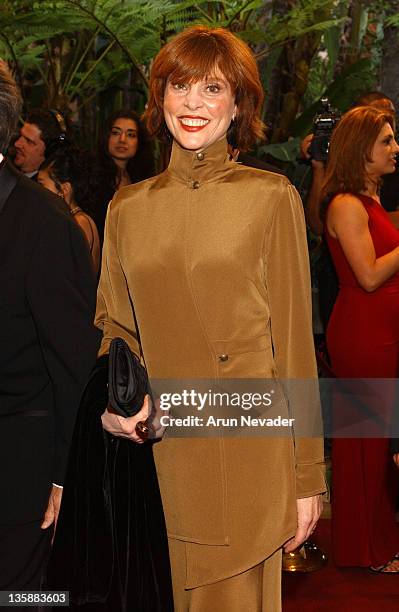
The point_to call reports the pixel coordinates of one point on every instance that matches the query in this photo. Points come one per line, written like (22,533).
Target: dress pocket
(245,357)
(192,479)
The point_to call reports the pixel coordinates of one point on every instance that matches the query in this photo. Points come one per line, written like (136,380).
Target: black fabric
(327,282)
(110,547)
(390,191)
(254,162)
(26,468)
(103,197)
(8,180)
(395,446)
(24,548)
(24,551)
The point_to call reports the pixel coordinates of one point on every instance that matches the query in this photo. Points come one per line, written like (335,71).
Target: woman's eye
(213,88)
(179,86)
(115,132)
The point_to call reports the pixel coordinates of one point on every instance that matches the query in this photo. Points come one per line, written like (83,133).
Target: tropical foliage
(87,57)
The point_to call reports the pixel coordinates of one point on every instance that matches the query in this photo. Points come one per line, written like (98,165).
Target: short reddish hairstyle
(194,55)
(351,147)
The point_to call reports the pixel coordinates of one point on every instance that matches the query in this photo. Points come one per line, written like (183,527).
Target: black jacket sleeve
(60,288)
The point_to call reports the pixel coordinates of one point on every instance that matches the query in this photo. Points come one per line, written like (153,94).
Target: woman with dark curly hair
(66,173)
(125,157)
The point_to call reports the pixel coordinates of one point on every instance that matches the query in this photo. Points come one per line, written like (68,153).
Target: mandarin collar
(196,168)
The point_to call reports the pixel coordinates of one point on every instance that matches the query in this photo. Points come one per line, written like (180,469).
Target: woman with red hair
(363,332)
(212,256)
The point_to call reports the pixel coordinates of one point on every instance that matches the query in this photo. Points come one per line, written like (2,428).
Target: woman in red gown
(363,332)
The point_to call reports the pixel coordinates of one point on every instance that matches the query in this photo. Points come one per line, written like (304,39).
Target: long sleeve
(60,289)
(114,314)
(288,286)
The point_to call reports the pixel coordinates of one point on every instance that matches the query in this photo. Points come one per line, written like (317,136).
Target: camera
(323,126)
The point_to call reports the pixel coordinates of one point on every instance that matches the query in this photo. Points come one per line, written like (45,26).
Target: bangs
(199,59)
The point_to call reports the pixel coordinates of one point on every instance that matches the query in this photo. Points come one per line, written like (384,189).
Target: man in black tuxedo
(48,346)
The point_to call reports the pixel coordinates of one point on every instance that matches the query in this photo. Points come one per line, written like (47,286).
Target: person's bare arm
(347,220)
(313,201)
(85,226)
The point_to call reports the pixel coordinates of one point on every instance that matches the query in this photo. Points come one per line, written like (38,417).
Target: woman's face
(123,141)
(199,114)
(384,152)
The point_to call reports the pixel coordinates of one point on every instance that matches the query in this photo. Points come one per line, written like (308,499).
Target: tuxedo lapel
(8,180)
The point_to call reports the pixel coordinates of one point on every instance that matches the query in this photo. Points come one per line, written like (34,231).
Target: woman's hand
(305,145)
(53,509)
(126,427)
(309,511)
(396,459)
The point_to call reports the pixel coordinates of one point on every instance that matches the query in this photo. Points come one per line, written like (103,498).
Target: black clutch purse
(127,379)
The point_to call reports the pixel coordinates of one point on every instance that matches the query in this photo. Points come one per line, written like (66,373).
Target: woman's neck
(120,163)
(372,187)
(122,177)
